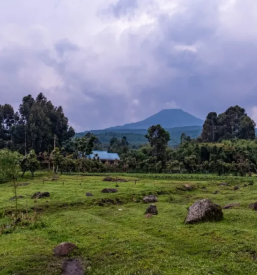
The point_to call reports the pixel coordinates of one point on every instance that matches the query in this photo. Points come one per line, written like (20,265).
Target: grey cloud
(65,45)
(190,57)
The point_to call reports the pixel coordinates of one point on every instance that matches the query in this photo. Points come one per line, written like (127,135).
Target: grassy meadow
(112,233)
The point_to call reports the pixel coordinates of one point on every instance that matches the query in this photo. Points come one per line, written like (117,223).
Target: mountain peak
(167,118)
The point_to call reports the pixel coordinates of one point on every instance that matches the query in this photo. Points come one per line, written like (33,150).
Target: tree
(232,124)
(158,139)
(9,170)
(29,163)
(84,146)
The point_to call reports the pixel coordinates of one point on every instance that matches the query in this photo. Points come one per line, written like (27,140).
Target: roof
(104,155)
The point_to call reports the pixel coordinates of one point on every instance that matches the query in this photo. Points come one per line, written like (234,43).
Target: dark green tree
(158,139)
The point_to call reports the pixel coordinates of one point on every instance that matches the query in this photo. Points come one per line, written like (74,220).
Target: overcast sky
(110,62)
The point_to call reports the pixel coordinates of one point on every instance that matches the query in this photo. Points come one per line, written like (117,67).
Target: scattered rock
(204,210)
(72,267)
(253,206)
(39,195)
(231,205)
(23,184)
(89,195)
(109,190)
(186,187)
(114,179)
(107,179)
(64,249)
(148,216)
(104,202)
(236,187)
(223,184)
(13,198)
(150,198)
(152,209)
(215,192)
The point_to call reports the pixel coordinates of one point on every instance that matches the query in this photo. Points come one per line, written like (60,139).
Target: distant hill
(168,118)
(137,136)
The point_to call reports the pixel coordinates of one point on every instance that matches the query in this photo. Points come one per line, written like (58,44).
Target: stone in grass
(109,190)
(253,206)
(89,195)
(223,184)
(39,195)
(152,209)
(108,179)
(237,187)
(72,267)
(204,210)
(150,198)
(231,205)
(215,192)
(64,249)
(18,197)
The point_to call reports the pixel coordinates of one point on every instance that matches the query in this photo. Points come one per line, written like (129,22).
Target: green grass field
(113,241)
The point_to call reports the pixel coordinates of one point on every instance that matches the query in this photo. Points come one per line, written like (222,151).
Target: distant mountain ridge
(168,118)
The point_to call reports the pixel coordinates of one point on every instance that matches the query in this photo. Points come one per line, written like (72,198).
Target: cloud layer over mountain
(110,62)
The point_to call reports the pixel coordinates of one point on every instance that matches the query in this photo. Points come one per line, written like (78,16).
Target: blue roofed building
(105,157)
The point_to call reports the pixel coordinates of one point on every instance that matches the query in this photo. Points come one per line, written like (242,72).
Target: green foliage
(29,163)
(34,127)
(9,164)
(232,124)
(158,139)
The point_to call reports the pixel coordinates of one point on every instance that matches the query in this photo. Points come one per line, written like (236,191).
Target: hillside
(168,118)
(137,136)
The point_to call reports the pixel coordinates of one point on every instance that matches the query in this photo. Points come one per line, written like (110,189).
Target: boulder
(108,179)
(64,249)
(109,190)
(72,267)
(253,206)
(89,195)
(39,195)
(150,198)
(237,187)
(231,205)
(186,187)
(152,209)
(223,184)
(18,197)
(204,210)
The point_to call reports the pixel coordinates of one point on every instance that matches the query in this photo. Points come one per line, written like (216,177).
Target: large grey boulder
(204,210)
(150,198)
(152,209)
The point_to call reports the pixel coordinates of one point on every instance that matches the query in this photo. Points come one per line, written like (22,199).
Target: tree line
(40,134)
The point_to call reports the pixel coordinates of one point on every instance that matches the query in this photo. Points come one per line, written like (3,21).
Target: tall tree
(232,124)
(158,138)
